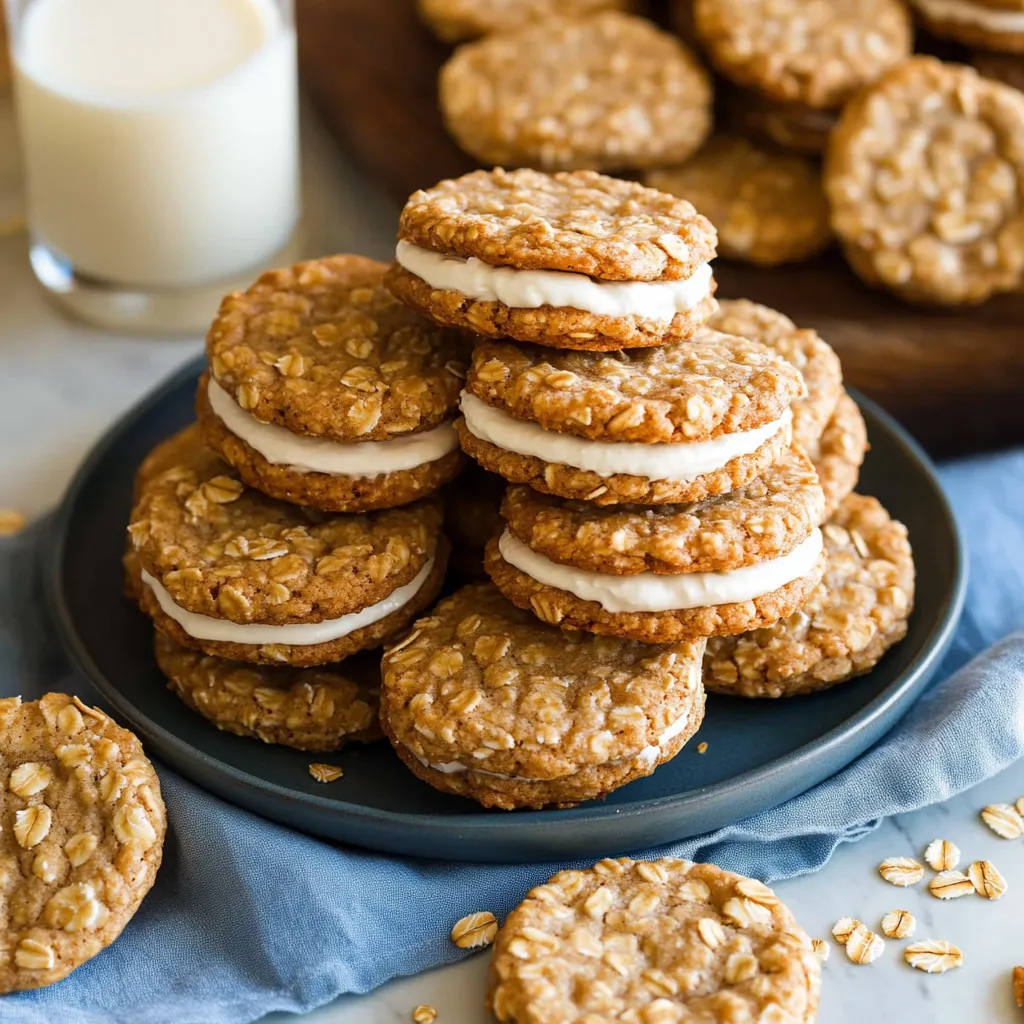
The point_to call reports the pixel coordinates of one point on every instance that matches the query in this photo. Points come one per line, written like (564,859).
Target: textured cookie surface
(768,207)
(765,519)
(580,222)
(813,52)
(82,837)
(853,616)
(839,453)
(717,385)
(310,708)
(605,92)
(481,685)
(323,349)
(456,20)
(652,941)
(925,174)
(814,358)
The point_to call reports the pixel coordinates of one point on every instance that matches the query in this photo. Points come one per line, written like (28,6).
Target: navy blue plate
(760,752)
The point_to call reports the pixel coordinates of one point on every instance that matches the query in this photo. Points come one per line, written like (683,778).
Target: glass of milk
(160,144)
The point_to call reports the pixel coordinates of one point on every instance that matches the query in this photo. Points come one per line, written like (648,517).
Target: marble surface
(64,383)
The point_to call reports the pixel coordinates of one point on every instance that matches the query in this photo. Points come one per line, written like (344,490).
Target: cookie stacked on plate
(296,526)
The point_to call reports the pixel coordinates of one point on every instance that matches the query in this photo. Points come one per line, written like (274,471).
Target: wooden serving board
(955,378)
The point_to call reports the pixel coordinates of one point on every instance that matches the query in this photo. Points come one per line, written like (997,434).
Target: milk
(160,137)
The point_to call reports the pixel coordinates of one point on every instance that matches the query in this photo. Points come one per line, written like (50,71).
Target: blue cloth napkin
(247,917)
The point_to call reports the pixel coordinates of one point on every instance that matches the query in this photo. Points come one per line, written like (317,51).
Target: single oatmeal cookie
(988,24)
(82,836)
(839,452)
(659,942)
(675,423)
(925,174)
(575,260)
(605,92)
(306,708)
(768,207)
(484,701)
(454,21)
(816,53)
(225,569)
(853,616)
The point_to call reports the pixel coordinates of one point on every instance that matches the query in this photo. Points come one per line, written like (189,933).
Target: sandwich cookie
(839,452)
(306,708)
(990,24)
(853,616)
(82,838)
(653,942)
(454,21)
(669,424)
(606,92)
(227,570)
(665,573)
(325,391)
(572,260)
(484,701)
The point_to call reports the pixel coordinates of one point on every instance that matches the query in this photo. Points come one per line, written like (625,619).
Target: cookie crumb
(11,522)
(822,950)
(898,924)
(325,772)
(933,956)
(475,930)
(424,1014)
(942,855)
(1004,820)
(901,871)
(702,747)
(987,879)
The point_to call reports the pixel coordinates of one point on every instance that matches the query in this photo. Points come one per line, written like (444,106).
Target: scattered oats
(424,1014)
(942,855)
(822,950)
(987,879)
(11,522)
(702,748)
(325,772)
(949,885)
(898,924)
(864,946)
(933,956)
(475,930)
(901,871)
(1018,985)
(843,929)
(1004,820)
(405,643)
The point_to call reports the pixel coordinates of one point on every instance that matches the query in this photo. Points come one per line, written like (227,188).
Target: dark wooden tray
(954,378)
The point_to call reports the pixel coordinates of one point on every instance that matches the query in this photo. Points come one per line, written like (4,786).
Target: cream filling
(300,634)
(992,19)
(656,592)
(281,447)
(529,289)
(677,462)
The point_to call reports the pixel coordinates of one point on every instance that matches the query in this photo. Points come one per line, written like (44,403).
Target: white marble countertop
(65,382)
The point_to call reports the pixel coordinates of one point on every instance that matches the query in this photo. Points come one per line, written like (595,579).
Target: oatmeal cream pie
(664,573)
(853,616)
(990,24)
(454,21)
(307,708)
(839,452)
(484,701)
(225,569)
(653,942)
(325,391)
(925,174)
(573,260)
(669,424)
(606,92)
(82,836)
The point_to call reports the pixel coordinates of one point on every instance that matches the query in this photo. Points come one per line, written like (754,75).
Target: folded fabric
(248,917)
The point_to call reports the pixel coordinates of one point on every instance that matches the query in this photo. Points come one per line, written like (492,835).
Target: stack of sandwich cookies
(664,573)
(484,701)
(326,392)
(571,260)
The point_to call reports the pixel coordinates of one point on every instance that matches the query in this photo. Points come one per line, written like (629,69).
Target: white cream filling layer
(529,289)
(300,634)
(655,592)
(676,462)
(992,19)
(281,447)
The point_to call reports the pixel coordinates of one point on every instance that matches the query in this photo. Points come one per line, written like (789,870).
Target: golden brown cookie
(484,701)
(790,126)
(853,616)
(839,453)
(82,836)
(816,53)
(605,92)
(665,573)
(326,391)
(575,260)
(454,21)
(307,708)
(675,423)
(924,175)
(768,207)
(665,941)
(227,570)
(989,24)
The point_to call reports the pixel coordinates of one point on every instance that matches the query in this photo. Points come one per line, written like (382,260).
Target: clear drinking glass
(160,148)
